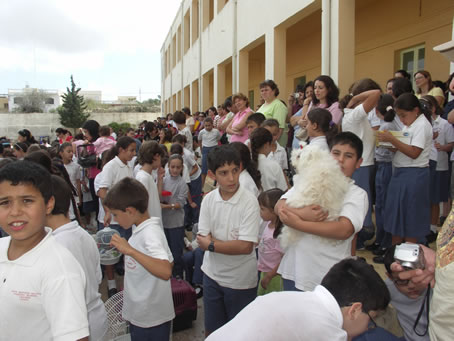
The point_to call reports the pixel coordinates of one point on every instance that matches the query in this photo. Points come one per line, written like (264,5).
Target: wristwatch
(211,246)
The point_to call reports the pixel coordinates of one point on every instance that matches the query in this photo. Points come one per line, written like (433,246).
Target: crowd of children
(148,184)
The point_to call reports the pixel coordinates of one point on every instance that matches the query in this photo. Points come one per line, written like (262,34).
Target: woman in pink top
(237,127)
(326,96)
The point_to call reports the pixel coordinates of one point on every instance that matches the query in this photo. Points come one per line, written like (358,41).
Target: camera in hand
(410,256)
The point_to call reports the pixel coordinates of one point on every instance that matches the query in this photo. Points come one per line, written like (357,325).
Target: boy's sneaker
(198,290)
(111,292)
(372,247)
(379,259)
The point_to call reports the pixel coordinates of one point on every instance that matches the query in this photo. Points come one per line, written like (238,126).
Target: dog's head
(308,155)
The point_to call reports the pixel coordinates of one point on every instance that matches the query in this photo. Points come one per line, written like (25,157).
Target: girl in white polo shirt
(272,175)
(408,202)
(363,98)
(320,127)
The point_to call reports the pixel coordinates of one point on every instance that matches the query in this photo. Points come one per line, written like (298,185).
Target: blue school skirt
(407,207)
(432,172)
(441,187)
(205,151)
(362,178)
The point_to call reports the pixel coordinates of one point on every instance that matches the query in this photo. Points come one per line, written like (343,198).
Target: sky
(108,45)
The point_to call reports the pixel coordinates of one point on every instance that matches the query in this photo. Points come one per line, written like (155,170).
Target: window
(412,60)
(299,81)
(251,99)
(49,101)
(18,100)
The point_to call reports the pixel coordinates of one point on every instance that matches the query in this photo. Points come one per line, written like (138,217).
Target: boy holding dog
(326,242)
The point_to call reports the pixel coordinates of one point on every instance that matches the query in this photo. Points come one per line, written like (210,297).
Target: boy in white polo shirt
(228,229)
(41,283)
(324,243)
(83,247)
(147,298)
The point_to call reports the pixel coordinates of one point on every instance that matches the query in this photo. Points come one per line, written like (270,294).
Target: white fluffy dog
(319,181)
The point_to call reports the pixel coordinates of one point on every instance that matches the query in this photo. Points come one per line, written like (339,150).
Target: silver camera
(410,256)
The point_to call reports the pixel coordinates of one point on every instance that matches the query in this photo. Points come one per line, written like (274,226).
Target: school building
(218,47)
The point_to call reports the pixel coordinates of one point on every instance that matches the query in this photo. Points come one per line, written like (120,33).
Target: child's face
(175,167)
(407,117)
(408,288)
(156,161)
(274,131)
(208,126)
(23,211)
(67,154)
(228,177)
(124,218)
(127,154)
(266,213)
(311,128)
(251,126)
(347,158)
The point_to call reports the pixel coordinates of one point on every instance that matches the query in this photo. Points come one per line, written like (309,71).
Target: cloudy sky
(108,45)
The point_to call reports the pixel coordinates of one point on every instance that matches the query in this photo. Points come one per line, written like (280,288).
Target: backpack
(86,155)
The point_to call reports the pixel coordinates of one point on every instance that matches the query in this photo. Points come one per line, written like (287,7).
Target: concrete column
(342,50)
(242,72)
(205,92)
(326,37)
(219,84)
(275,57)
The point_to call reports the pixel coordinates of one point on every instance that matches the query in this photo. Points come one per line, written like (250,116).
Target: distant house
(95,95)
(16,97)
(3,103)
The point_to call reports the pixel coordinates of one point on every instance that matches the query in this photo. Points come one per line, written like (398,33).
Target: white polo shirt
(209,138)
(321,142)
(112,172)
(235,219)
(356,121)
(280,156)
(154,204)
(189,161)
(42,294)
(445,136)
(420,136)
(83,247)
(147,300)
(307,261)
(286,315)
(272,174)
(248,183)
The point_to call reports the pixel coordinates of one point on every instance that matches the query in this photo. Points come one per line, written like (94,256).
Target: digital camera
(410,256)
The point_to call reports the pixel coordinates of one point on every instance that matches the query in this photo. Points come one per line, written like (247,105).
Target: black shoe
(379,259)
(111,292)
(442,221)
(372,247)
(431,237)
(379,252)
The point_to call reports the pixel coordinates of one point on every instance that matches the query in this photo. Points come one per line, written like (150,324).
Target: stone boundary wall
(44,124)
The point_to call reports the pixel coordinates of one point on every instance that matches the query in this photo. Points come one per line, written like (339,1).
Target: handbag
(87,155)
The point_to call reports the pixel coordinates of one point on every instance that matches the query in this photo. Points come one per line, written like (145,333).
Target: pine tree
(71,112)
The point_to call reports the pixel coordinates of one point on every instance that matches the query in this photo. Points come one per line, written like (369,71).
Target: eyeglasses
(372,323)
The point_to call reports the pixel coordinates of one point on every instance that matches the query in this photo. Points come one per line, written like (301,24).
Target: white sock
(433,228)
(111,284)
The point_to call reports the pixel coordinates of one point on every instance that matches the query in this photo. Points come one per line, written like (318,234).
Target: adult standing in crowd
(425,86)
(25,136)
(295,119)
(295,103)
(91,133)
(237,127)
(274,108)
(63,135)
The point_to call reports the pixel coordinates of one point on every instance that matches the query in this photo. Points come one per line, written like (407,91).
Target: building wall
(44,124)
(384,28)
(357,39)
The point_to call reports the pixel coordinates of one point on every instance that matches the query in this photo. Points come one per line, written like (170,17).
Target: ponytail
(269,199)
(259,138)
(248,164)
(324,121)
(385,107)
